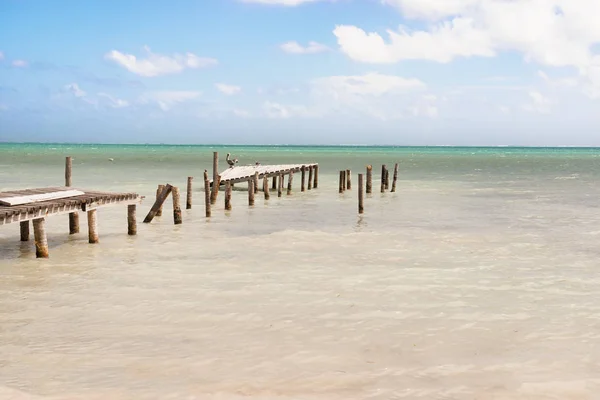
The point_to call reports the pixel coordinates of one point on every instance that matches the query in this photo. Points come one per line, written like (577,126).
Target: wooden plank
(34,198)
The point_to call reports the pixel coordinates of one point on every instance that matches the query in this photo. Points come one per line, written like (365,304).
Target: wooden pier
(246,173)
(38,204)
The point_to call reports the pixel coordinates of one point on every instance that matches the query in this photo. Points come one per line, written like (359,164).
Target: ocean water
(478,279)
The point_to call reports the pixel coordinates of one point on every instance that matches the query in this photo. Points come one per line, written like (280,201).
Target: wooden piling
(289,187)
(341,184)
(24,231)
(228,190)
(387,179)
(41,241)
(344,181)
(274,185)
(348,179)
(303,178)
(158,193)
(92,227)
(158,203)
(310,177)
(251,191)
(215,190)
(369,189)
(131,220)
(383,169)
(73,217)
(361,197)
(395,178)
(266,187)
(188,203)
(316,182)
(215,167)
(256,182)
(177,220)
(206,194)
(280,185)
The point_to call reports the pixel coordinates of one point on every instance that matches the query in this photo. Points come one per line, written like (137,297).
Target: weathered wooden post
(206,194)
(74,216)
(310,177)
(41,241)
(251,191)
(280,185)
(361,196)
(215,166)
(177,220)
(303,183)
(274,185)
(316,182)
(92,226)
(158,203)
(228,190)
(289,187)
(341,185)
(344,179)
(24,231)
(348,179)
(215,190)
(395,177)
(369,179)
(158,193)
(131,220)
(387,179)
(266,187)
(188,203)
(383,169)
(256,182)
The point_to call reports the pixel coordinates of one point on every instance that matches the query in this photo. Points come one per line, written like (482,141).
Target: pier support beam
(266,188)
(387,179)
(369,189)
(303,178)
(256,182)
(395,178)
(280,185)
(274,184)
(158,193)
(188,203)
(383,169)
(228,191)
(41,241)
(251,192)
(310,177)
(177,220)
(215,167)
(341,184)
(73,217)
(289,187)
(316,182)
(24,231)
(361,197)
(348,179)
(131,220)
(215,190)
(92,226)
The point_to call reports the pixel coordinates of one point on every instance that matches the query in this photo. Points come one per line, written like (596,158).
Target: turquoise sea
(478,279)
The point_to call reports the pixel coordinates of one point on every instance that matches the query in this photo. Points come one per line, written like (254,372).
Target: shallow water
(478,279)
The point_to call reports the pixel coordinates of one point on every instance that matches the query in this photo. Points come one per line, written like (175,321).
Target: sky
(400,72)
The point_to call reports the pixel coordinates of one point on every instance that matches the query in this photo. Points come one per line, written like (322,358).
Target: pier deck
(244,173)
(88,200)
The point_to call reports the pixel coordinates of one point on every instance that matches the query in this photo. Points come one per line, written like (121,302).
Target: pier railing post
(73,217)
(361,198)
(41,241)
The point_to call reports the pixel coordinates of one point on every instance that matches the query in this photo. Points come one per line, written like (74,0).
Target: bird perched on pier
(230,161)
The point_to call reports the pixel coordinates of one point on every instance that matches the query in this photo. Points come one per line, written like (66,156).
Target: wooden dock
(246,173)
(37,204)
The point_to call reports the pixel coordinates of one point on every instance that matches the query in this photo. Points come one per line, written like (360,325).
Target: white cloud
(228,89)
(20,63)
(369,84)
(241,113)
(539,103)
(287,3)
(167,99)
(425,107)
(553,33)
(157,64)
(294,47)
(113,101)
(74,89)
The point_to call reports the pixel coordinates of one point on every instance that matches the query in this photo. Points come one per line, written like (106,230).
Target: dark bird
(230,161)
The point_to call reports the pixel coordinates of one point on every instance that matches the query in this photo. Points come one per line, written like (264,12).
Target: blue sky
(464,72)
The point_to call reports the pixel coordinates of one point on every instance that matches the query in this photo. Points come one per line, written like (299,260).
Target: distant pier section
(245,173)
